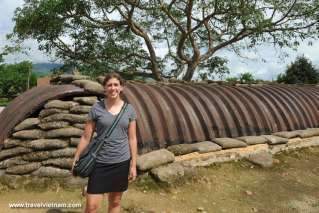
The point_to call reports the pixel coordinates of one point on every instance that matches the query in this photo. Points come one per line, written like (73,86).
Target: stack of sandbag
(44,146)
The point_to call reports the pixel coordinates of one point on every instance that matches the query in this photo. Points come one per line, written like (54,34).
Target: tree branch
(136,29)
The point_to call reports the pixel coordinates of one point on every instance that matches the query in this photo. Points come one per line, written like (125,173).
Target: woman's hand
(132,175)
(75,159)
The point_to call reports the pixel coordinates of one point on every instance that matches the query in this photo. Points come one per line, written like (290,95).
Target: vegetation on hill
(44,69)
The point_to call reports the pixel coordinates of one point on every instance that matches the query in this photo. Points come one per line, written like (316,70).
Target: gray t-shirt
(116,149)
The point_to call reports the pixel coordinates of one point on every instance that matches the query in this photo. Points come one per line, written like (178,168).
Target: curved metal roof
(184,113)
(30,101)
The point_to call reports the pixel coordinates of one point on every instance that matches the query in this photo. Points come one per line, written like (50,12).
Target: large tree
(301,71)
(131,34)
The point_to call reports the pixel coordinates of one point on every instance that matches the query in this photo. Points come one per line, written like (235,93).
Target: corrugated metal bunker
(185,113)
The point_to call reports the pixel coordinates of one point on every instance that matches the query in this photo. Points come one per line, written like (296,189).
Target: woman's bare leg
(114,202)
(93,202)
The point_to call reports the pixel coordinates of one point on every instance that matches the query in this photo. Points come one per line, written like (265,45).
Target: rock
(263,159)
(80,109)
(29,134)
(37,156)
(7,153)
(206,146)
(53,125)
(79,126)
(307,133)
(51,172)
(9,143)
(200,209)
(64,132)
(64,163)
(277,148)
(51,111)
(181,149)
(66,152)
(315,130)
(249,192)
(171,173)
(212,159)
(47,144)
(252,140)
(276,161)
(60,104)
(287,134)
(23,169)
(295,143)
(153,159)
(66,117)
(28,123)
(227,143)
(90,86)
(306,142)
(225,155)
(86,100)
(74,141)
(272,139)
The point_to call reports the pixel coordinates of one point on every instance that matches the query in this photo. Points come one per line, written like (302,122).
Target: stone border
(160,165)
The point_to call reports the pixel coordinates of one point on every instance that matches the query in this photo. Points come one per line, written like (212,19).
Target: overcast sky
(265,70)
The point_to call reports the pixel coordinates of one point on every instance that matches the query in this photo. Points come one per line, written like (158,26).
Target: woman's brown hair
(110,75)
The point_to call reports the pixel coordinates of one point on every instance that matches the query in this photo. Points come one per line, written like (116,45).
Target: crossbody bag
(84,166)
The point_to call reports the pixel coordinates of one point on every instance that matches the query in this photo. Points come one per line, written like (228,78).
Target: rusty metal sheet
(30,101)
(186,113)
(260,112)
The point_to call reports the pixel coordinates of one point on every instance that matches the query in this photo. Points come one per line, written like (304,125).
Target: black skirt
(109,178)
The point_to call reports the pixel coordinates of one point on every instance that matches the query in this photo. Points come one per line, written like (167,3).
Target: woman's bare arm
(85,138)
(133,149)
(132,141)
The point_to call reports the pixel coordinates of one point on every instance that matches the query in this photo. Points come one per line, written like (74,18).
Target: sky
(251,62)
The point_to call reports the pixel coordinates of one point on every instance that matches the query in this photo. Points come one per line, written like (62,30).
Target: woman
(116,161)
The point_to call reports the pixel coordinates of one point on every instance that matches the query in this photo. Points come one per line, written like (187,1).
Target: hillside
(43,69)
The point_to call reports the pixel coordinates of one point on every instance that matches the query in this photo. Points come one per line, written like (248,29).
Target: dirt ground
(291,185)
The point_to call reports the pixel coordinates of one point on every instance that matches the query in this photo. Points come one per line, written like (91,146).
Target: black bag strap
(107,133)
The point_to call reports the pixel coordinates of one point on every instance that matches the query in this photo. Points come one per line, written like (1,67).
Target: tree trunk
(29,76)
(155,70)
(141,32)
(190,71)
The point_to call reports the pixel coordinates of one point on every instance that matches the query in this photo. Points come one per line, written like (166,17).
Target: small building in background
(43,81)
